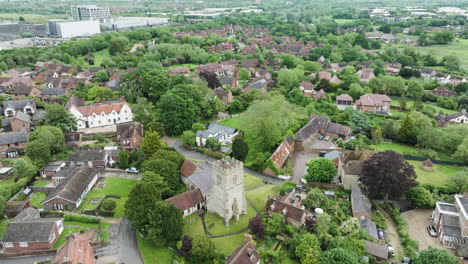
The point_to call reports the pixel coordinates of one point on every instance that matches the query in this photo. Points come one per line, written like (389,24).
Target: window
(23,244)
(219,180)
(8,244)
(125,111)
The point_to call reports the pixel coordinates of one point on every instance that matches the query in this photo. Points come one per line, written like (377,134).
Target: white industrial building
(127,23)
(90,12)
(70,29)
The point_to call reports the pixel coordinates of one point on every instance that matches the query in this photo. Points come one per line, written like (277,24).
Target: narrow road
(392,235)
(26,260)
(199,156)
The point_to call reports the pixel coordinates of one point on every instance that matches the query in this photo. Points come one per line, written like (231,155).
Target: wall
(78,29)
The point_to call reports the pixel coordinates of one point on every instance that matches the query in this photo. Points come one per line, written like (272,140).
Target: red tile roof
(186,200)
(76,250)
(188,168)
(344,97)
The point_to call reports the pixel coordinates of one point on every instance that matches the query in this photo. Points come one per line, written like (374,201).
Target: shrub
(82,219)
(379,220)
(108,204)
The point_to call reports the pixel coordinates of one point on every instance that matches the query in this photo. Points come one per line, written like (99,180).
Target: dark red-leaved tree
(256,226)
(184,250)
(310,224)
(211,79)
(387,173)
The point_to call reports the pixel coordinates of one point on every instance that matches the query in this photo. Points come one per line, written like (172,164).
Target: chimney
(465,194)
(247,237)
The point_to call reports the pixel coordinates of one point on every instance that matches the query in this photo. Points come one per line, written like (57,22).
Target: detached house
(13,143)
(48,94)
(290,206)
(344,101)
(307,88)
(224,134)
(457,118)
(72,190)
(92,157)
(129,135)
(29,232)
(99,114)
(366,74)
(245,254)
(443,91)
(17,122)
(224,95)
(27,106)
(360,204)
(376,103)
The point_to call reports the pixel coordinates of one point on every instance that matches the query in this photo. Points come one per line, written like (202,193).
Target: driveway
(26,260)
(392,235)
(418,220)
(300,160)
(123,246)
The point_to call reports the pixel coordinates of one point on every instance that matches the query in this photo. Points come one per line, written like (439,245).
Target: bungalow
(376,103)
(72,190)
(129,135)
(17,122)
(77,249)
(29,232)
(344,101)
(224,95)
(25,91)
(13,143)
(360,204)
(457,118)
(224,134)
(188,202)
(92,157)
(52,168)
(307,88)
(246,253)
(48,94)
(27,106)
(443,91)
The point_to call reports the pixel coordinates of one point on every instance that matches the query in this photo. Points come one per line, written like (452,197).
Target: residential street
(26,260)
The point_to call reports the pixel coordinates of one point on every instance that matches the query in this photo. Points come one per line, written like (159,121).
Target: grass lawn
(63,237)
(215,224)
(410,103)
(37,198)
(152,254)
(3,225)
(439,176)
(99,57)
(40,183)
(113,186)
(228,244)
(86,225)
(232,122)
(251,182)
(7,183)
(341,21)
(406,149)
(193,226)
(259,196)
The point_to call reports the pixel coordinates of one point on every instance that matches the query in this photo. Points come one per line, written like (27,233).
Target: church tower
(227,193)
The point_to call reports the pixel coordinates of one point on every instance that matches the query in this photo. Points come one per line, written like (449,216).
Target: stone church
(227,194)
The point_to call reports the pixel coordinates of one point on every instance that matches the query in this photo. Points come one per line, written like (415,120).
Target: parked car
(391,251)
(432,231)
(300,188)
(132,171)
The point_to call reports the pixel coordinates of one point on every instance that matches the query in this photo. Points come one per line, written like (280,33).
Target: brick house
(443,91)
(27,106)
(319,126)
(92,157)
(224,95)
(376,103)
(17,122)
(28,232)
(13,143)
(52,168)
(25,91)
(72,190)
(77,249)
(344,101)
(188,202)
(13,208)
(129,135)
(307,88)
(281,154)
(289,206)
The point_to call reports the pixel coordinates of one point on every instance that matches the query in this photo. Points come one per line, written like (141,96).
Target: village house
(319,126)
(281,154)
(27,106)
(13,208)
(366,74)
(179,71)
(261,85)
(52,82)
(225,46)
(72,190)
(344,101)
(451,221)
(49,94)
(380,252)
(322,75)
(352,168)
(13,144)
(335,80)
(25,91)
(76,250)
(321,95)
(188,202)
(223,134)
(228,81)
(457,118)
(290,206)
(248,50)
(29,232)
(374,103)
(224,95)
(443,91)
(129,135)
(307,88)
(16,81)
(245,254)
(114,85)
(69,83)
(17,122)
(52,168)
(360,204)
(99,114)
(95,157)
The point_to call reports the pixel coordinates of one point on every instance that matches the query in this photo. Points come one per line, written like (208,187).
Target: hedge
(411,246)
(82,219)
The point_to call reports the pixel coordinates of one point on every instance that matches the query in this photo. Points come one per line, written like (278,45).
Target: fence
(443,162)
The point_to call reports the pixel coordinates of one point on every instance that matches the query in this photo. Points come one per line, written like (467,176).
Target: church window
(219,180)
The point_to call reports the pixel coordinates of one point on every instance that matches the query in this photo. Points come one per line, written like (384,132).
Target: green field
(40,183)
(251,182)
(113,186)
(439,176)
(35,18)
(232,122)
(407,150)
(99,57)
(343,21)
(410,103)
(152,254)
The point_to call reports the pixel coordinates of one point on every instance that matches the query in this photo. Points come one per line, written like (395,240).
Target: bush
(108,204)
(420,197)
(82,219)
(379,220)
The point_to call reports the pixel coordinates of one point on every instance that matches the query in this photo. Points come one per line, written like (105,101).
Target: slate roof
(312,127)
(75,101)
(87,155)
(14,137)
(380,251)
(22,90)
(19,104)
(360,201)
(53,91)
(451,225)
(245,254)
(73,186)
(38,115)
(216,129)
(18,115)
(186,200)
(114,85)
(370,227)
(126,130)
(227,80)
(333,155)
(202,178)
(260,84)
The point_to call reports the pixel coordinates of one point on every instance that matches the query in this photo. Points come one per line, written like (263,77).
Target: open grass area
(87,225)
(113,186)
(406,149)
(251,182)
(410,103)
(342,21)
(152,254)
(259,196)
(7,183)
(3,225)
(40,183)
(35,18)
(193,226)
(439,176)
(99,57)
(228,244)
(215,224)
(232,122)
(37,198)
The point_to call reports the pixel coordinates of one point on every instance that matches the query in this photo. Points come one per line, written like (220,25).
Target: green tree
(339,256)
(154,126)
(289,62)
(158,181)
(462,151)
(52,136)
(459,181)
(308,247)
(407,133)
(117,45)
(38,152)
(213,144)
(273,224)
(360,123)
(420,197)
(415,89)
(165,224)
(170,154)
(151,143)
(321,170)
(23,169)
(376,135)
(3,202)
(434,256)
(244,74)
(57,115)
(124,159)
(240,149)
(167,169)
(203,249)
(452,63)
(312,66)
(198,126)
(315,199)
(188,138)
(98,93)
(144,112)
(140,202)
(101,76)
